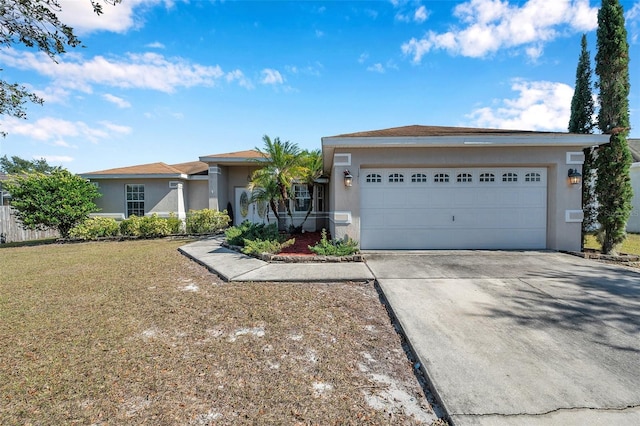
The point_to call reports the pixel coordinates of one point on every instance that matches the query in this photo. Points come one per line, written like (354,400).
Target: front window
(301,198)
(135,200)
(320,197)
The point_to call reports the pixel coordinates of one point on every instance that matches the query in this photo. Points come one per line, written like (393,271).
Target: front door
(246,210)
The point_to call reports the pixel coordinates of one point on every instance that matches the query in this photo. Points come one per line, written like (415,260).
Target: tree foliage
(581,121)
(613,186)
(17,165)
(60,200)
(33,24)
(284,164)
(281,165)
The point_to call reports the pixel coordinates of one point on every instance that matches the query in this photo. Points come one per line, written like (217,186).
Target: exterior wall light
(574,177)
(348,179)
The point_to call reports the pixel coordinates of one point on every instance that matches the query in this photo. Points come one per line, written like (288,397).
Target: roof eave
(134,176)
(329,144)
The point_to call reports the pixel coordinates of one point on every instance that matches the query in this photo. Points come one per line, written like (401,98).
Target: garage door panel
(456,214)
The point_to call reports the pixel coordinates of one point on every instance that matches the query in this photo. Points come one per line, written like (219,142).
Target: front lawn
(133,332)
(630,246)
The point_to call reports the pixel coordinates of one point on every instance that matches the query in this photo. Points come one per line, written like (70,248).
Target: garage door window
(532,177)
(510,177)
(464,177)
(487,177)
(441,177)
(374,178)
(418,178)
(396,178)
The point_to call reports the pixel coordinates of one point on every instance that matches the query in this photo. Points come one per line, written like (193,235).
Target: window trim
(295,198)
(138,202)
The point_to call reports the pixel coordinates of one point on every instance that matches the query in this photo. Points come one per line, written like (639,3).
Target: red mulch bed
(303,241)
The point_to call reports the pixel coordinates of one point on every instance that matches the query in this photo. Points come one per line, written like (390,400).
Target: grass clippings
(133,332)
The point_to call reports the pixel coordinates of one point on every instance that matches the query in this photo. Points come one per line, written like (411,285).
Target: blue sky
(173,80)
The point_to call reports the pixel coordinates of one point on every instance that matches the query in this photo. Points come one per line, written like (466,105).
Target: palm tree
(311,168)
(264,190)
(281,165)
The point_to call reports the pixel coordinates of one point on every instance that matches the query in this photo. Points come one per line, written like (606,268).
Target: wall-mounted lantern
(348,179)
(574,177)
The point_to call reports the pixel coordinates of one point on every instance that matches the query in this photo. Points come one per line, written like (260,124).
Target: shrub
(176,226)
(96,227)
(154,226)
(237,235)
(206,221)
(130,227)
(324,247)
(257,247)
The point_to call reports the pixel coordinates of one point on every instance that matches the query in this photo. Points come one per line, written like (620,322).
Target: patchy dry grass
(132,333)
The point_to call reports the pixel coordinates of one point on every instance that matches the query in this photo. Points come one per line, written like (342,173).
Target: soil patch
(301,246)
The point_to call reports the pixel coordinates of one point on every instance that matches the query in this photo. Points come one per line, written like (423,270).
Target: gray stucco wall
(561,196)
(159,198)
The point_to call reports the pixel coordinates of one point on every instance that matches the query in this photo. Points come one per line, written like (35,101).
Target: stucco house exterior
(412,187)
(217,181)
(427,187)
(633,225)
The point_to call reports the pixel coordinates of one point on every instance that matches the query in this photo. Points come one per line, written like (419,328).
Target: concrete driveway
(527,338)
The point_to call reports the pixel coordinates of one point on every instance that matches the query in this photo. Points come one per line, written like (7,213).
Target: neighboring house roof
(634,147)
(152,170)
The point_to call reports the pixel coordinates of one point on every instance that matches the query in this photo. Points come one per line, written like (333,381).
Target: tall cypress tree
(613,187)
(581,121)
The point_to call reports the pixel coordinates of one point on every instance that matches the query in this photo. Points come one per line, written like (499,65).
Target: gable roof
(181,170)
(423,131)
(238,157)
(416,136)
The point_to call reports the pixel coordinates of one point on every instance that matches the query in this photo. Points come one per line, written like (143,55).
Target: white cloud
(319,34)
(79,15)
(363,57)
(141,71)
(121,103)
(632,18)
(490,25)
(420,14)
(54,159)
(271,76)
(237,75)
(116,128)
(55,131)
(540,105)
(155,45)
(377,67)
(52,95)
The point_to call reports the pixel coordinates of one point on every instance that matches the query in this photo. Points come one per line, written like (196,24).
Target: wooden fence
(12,231)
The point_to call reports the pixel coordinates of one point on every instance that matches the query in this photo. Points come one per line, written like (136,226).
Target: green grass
(132,332)
(631,245)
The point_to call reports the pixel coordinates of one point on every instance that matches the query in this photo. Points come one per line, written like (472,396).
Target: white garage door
(462,208)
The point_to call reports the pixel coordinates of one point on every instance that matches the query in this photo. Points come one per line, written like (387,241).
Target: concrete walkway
(233,266)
